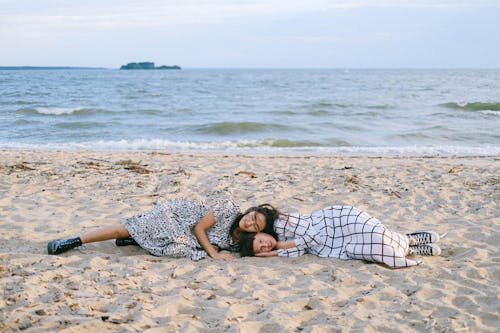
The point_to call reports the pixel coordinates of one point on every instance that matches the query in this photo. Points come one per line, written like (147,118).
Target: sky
(252,33)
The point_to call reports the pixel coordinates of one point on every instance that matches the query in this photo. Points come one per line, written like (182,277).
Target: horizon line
(261,68)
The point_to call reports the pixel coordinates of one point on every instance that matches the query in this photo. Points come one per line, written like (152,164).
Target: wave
(58,111)
(473,106)
(226,128)
(331,105)
(80,125)
(22,122)
(282,112)
(324,104)
(152,112)
(319,113)
(381,107)
(266,147)
(21,102)
(281,143)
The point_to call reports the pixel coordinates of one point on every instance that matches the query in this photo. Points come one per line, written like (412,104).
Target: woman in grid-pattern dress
(343,232)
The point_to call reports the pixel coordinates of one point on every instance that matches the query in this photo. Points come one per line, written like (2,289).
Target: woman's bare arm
(273,253)
(200,231)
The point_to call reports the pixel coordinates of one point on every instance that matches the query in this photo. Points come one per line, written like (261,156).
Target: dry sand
(104,288)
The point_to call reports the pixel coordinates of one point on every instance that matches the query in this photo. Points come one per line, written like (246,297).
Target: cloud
(160,13)
(32,19)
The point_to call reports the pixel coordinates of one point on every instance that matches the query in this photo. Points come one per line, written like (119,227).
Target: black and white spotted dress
(167,229)
(343,232)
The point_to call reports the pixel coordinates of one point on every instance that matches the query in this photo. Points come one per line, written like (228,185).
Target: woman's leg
(105,233)
(373,241)
(59,246)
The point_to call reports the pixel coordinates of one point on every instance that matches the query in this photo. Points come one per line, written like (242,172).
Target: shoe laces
(425,250)
(422,237)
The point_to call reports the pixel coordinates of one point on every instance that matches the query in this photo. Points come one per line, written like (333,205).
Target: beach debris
(492,181)
(455,169)
(248,173)
(23,166)
(149,259)
(183,172)
(390,191)
(94,165)
(133,166)
(410,292)
(115,320)
(351,179)
(342,167)
(178,171)
(396,194)
(160,153)
(131,305)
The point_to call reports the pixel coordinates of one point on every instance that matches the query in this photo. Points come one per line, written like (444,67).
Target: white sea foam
(490,112)
(254,147)
(58,111)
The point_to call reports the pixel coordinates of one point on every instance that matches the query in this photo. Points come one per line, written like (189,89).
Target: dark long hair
(267,210)
(246,244)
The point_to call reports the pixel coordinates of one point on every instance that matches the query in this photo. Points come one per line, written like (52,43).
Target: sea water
(373,111)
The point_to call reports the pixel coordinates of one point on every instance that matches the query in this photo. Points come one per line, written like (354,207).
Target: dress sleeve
(291,252)
(299,249)
(299,228)
(226,211)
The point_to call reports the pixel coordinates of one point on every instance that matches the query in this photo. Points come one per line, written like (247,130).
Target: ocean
(351,111)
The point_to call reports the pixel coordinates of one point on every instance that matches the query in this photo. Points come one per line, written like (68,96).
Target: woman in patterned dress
(181,228)
(343,232)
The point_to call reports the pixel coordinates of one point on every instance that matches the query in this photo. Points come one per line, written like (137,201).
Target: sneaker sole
(50,249)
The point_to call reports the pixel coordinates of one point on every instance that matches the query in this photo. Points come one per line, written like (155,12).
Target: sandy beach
(103,288)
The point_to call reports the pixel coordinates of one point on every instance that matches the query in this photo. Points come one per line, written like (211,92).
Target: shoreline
(281,152)
(100,287)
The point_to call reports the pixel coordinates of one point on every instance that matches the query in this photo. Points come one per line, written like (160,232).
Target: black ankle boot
(125,241)
(62,245)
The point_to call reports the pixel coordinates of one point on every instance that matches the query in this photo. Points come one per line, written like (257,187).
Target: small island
(147,65)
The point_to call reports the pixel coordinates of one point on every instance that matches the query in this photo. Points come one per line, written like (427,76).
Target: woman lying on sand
(181,228)
(342,232)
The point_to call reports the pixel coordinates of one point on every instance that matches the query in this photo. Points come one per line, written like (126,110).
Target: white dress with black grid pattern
(343,232)
(167,229)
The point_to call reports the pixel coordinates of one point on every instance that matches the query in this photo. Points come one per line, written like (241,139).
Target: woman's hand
(200,231)
(273,253)
(222,256)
